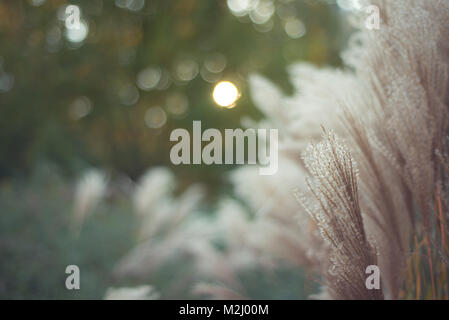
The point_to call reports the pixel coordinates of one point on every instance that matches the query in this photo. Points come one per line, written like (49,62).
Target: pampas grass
(89,191)
(391,103)
(339,218)
(363,149)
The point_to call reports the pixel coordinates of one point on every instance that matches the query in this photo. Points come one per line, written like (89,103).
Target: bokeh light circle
(225,94)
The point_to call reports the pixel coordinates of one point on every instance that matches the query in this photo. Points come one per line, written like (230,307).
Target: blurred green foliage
(37,241)
(42,116)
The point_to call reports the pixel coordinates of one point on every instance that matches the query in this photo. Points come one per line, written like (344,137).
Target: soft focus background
(107,96)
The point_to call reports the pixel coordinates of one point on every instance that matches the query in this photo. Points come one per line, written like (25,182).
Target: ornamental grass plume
(339,218)
(89,191)
(144,292)
(174,227)
(393,99)
(403,70)
(165,224)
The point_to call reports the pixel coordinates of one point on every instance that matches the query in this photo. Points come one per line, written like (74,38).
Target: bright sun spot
(225,94)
